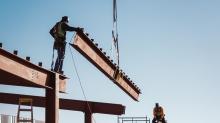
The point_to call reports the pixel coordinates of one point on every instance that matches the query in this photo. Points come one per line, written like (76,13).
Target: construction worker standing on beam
(58,32)
(158,113)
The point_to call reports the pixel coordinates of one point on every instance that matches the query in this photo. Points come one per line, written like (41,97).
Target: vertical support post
(88,117)
(52,101)
(118,119)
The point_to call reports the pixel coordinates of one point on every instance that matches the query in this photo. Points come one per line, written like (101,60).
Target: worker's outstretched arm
(69,28)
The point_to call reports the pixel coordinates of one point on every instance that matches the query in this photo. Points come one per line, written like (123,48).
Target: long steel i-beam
(67,104)
(95,55)
(17,71)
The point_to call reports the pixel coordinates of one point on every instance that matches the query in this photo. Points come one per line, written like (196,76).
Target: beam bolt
(40,64)
(15,52)
(28,58)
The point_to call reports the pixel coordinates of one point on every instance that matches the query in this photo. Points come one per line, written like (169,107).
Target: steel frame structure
(20,72)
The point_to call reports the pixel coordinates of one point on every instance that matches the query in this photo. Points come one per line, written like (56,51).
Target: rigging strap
(115,30)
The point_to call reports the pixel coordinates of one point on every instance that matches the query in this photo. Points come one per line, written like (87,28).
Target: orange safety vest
(158,111)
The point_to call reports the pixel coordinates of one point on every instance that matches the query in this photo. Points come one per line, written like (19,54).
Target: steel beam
(67,104)
(17,71)
(91,52)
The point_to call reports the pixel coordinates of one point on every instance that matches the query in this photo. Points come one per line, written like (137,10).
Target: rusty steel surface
(67,104)
(88,117)
(52,101)
(91,52)
(17,71)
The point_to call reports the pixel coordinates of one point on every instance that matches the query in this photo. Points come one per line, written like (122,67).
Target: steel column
(52,101)
(88,117)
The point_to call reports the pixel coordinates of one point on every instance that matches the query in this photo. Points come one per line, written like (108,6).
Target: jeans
(60,57)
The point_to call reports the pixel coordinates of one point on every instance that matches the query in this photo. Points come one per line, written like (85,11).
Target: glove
(79,29)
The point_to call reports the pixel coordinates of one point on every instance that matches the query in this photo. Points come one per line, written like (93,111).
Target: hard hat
(65,18)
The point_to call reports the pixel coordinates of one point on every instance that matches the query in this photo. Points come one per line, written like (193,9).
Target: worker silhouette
(158,114)
(58,32)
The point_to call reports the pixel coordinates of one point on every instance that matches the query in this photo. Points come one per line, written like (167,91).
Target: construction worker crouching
(158,114)
(58,32)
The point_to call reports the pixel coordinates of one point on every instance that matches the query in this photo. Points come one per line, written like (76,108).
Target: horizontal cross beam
(67,104)
(20,72)
(91,52)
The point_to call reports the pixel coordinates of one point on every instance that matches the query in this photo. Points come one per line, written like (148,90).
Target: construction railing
(13,119)
(133,120)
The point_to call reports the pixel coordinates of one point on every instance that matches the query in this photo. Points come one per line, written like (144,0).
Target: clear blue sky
(170,48)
